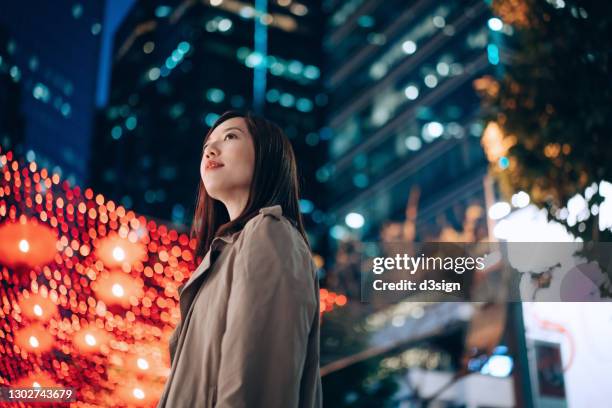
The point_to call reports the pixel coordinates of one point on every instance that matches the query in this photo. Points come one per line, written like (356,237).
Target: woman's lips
(213,165)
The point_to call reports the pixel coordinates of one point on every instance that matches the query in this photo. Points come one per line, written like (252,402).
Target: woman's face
(228,162)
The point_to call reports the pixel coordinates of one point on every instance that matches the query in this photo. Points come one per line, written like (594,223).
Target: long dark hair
(275,181)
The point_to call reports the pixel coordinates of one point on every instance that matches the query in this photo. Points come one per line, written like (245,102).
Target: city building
(11,119)
(176,67)
(405,162)
(403,119)
(51,50)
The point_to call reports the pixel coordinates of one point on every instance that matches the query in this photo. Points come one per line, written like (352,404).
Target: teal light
(131,122)
(296,67)
(184,47)
(77,11)
(311,72)
(66,109)
(170,63)
(503,162)
(273,95)
(306,206)
(176,56)
(210,119)
(338,232)
(360,180)
(493,54)
(116,132)
(287,100)
(162,11)
(96,28)
(277,68)
(365,21)
(304,105)
(254,59)
(41,92)
(215,95)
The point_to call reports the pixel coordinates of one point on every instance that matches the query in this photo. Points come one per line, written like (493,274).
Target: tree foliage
(551,112)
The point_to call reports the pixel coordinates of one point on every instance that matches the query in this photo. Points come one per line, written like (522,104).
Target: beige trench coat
(249,330)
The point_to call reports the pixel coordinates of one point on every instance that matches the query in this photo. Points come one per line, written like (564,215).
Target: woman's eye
(230,134)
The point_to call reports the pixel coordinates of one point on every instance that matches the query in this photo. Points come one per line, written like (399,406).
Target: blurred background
(460,121)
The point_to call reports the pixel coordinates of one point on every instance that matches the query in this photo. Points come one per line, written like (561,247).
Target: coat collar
(275,210)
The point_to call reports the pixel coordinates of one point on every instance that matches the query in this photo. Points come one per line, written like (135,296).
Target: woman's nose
(210,151)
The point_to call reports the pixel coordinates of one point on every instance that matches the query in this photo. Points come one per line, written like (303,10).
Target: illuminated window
(96,28)
(41,92)
(66,109)
(215,95)
(148,47)
(162,11)
(365,21)
(77,11)
(210,119)
(131,122)
(116,132)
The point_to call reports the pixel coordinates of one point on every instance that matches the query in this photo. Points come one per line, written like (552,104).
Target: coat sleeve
(271,310)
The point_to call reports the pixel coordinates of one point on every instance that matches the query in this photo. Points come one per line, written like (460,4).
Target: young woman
(249,330)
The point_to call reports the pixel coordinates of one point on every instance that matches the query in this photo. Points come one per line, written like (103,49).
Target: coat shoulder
(271,226)
(270,219)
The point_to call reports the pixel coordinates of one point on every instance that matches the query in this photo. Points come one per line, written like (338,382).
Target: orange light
(139,393)
(36,378)
(91,339)
(26,242)
(115,251)
(118,288)
(34,338)
(37,307)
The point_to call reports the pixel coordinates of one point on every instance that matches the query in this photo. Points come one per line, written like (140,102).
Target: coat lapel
(188,290)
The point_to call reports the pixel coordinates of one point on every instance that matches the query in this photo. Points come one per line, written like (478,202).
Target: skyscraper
(404,116)
(405,163)
(177,67)
(51,51)
(11,119)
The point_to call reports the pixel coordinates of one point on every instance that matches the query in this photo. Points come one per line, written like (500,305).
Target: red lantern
(34,339)
(26,242)
(37,307)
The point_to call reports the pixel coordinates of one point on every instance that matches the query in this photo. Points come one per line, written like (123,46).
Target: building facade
(403,119)
(51,51)
(177,67)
